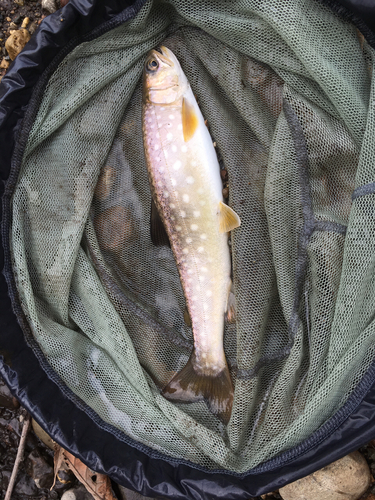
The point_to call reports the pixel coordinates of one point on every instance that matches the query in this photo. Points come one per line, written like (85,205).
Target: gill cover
(164,81)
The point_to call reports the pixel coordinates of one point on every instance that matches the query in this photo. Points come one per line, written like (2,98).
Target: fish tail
(191,384)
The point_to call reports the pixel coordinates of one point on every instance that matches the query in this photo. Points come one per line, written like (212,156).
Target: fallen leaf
(99,485)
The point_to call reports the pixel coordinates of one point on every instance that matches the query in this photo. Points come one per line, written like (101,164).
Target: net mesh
(286,88)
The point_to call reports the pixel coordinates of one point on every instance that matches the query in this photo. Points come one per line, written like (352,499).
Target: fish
(188,213)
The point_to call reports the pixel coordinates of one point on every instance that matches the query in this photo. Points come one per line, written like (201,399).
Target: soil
(12,15)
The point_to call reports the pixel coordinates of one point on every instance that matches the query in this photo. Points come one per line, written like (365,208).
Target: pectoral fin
(189,120)
(158,233)
(228,219)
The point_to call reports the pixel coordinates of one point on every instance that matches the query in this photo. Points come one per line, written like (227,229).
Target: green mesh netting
(286,90)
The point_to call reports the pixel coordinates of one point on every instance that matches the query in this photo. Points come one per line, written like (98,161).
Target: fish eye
(152,65)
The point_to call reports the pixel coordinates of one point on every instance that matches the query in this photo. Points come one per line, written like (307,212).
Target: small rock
(49,5)
(39,470)
(13,26)
(32,28)
(126,494)
(4,479)
(79,493)
(224,174)
(105,182)
(25,486)
(225,193)
(8,19)
(21,3)
(345,479)
(25,22)
(114,228)
(16,42)
(42,435)
(7,399)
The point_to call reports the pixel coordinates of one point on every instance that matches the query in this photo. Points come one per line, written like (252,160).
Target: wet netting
(286,88)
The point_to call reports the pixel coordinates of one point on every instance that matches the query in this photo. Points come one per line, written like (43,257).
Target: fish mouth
(162,54)
(164,88)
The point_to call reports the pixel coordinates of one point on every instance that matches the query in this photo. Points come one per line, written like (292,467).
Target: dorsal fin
(228,219)
(189,120)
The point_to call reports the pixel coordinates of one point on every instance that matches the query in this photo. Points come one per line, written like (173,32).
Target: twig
(19,457)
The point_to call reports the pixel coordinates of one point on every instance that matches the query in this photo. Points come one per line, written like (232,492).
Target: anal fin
(228,219)
(159,236)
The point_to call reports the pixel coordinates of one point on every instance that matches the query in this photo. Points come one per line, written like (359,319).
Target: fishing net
(286,88)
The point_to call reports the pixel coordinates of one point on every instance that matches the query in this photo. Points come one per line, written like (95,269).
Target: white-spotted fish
(186,188)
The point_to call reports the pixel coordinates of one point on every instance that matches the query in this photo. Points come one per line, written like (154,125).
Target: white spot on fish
(149,120)
(166,194)
(203,236)
(182,213)
(161,169)
(162,108)
(193,163)
(190,180)
(200,249)
(183,148)
(188,240)
(189,280)
(204,269)
(166,154)
(200,191)
(196,213)
(186,198)
(169,136)
(194,227)
(172,205)
(185,250)
(205,307)
(158,117)
(179,126)
(171,117)
(174,148)
(177,165)
(194,297)
(178,228)
(208,293)
(189,271)
(156,147)
(160,183)
(173,182)
(171,217)
(202,203)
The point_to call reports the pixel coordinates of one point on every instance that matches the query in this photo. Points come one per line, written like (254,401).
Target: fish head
(164,82)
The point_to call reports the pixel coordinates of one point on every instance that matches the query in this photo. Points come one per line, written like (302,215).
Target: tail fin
(188,386)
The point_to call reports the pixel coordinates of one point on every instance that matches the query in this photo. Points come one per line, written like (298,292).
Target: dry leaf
(99,485)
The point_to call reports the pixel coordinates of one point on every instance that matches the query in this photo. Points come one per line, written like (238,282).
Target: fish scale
(186,187)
